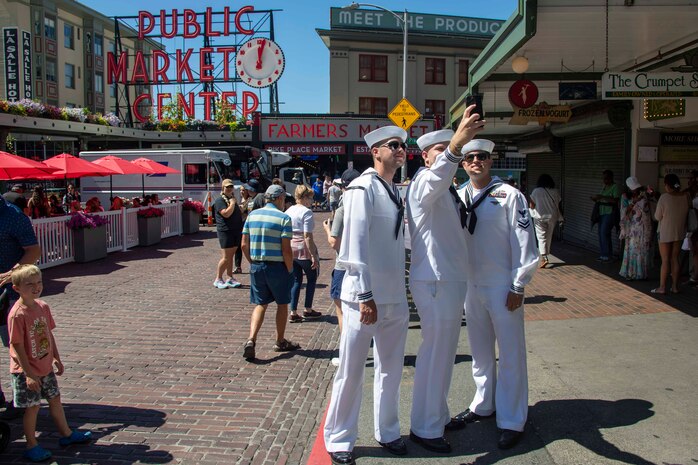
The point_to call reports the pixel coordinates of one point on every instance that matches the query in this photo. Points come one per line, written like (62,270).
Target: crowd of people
(39,205)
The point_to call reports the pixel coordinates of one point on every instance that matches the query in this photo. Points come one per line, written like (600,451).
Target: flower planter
(149,230)
(190,221)
(90,244)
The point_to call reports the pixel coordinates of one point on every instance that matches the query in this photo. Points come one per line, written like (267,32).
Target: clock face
(259,62)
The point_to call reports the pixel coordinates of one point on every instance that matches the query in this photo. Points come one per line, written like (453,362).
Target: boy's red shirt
(31,326)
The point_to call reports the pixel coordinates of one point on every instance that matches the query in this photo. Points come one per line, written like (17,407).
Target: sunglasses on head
(394,145)
(479,155)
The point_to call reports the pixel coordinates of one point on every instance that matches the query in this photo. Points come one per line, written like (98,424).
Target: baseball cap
(228,182)
(273,192)
(252,185)
(349,175)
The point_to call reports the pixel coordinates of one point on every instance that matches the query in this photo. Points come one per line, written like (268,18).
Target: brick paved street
(153,355)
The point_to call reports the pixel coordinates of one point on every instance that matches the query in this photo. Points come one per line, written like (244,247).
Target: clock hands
(260,50)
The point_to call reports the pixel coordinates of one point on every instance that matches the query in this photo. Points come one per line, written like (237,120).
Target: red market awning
(70,166)
(120,166)
(14,167)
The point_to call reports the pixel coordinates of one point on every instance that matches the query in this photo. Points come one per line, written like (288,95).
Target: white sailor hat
(385,133)
(478,145)
(434,137)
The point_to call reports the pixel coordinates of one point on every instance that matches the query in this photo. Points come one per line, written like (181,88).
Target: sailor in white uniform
(501,260)
(437,276)
(374,302)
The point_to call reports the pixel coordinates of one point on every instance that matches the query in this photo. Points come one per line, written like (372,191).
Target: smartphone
(477,101)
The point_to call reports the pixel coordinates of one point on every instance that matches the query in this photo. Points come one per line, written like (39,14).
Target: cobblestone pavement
(153,356)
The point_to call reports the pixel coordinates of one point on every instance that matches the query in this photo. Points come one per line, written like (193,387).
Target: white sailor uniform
(373,253)
(437,282)
(502,257)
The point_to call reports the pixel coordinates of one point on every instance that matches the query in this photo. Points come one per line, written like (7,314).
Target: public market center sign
(190,66)
(623,86)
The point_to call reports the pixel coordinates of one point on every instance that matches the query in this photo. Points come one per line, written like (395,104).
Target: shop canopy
(120,166)
(70,166)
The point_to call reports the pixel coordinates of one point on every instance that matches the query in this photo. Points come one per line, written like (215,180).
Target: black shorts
(229,239)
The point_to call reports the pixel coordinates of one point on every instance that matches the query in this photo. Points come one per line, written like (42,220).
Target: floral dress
(636,229)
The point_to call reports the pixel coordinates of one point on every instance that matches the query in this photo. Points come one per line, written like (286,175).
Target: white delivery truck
(200,172)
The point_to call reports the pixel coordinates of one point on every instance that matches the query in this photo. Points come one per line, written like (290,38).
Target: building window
(373,68)
(373,106)
(39,67)
(51,71)
(463,66)
(112,90)
(99,42)
(37,22)
(434,107)
(435,71)
(68,37)
(49,28)
(70,76)
(99,83)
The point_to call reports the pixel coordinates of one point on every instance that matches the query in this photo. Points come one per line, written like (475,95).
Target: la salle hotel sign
(260,56)
(623,86)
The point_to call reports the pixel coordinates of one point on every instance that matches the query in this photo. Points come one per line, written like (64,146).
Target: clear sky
(304,86)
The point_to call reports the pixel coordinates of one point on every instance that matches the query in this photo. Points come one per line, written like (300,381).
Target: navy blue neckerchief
(470,207)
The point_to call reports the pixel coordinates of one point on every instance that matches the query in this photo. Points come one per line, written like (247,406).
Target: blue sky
(304,86)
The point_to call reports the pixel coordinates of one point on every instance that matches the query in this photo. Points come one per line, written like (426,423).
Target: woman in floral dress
(636,229)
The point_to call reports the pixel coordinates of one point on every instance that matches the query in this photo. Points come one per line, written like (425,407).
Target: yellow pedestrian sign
(404,114)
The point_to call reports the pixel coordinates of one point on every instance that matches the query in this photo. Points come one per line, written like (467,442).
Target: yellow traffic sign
(404,114)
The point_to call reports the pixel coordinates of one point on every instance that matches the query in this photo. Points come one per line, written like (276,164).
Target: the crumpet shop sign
(624,86)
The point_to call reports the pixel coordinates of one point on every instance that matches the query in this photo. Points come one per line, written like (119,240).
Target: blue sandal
(76,437)
(37,454)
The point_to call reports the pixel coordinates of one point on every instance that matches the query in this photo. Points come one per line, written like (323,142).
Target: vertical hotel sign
(11,47)
(27,65)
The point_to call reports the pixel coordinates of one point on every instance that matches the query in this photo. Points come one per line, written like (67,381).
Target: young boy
(33,355)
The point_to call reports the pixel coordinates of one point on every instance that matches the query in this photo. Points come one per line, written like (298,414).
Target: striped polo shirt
(266,227)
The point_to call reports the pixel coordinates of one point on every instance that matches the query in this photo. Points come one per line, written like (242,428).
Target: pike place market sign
(623,86)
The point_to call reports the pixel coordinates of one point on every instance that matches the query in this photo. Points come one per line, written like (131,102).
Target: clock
(259,62)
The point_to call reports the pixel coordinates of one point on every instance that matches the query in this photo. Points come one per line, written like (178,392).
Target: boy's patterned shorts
(23,397)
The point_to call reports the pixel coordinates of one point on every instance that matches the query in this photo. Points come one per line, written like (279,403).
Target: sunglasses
(482,156)
(228,187)
(394,145)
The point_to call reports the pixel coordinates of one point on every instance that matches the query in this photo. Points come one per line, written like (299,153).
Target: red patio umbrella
(14,167)
(70,166)
(120,166)
(154,167)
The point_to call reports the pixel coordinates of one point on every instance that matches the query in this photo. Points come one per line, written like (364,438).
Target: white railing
(56,239)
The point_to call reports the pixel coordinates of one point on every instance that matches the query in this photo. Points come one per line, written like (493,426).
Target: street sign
(404,114)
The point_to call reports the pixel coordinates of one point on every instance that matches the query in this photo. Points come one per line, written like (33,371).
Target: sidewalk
(154,368)
(611,377)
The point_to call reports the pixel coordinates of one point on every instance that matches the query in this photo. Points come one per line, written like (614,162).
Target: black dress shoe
(342,458)
(466,417)
(396,447)
(440,445)
(456,424)
(508,438)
